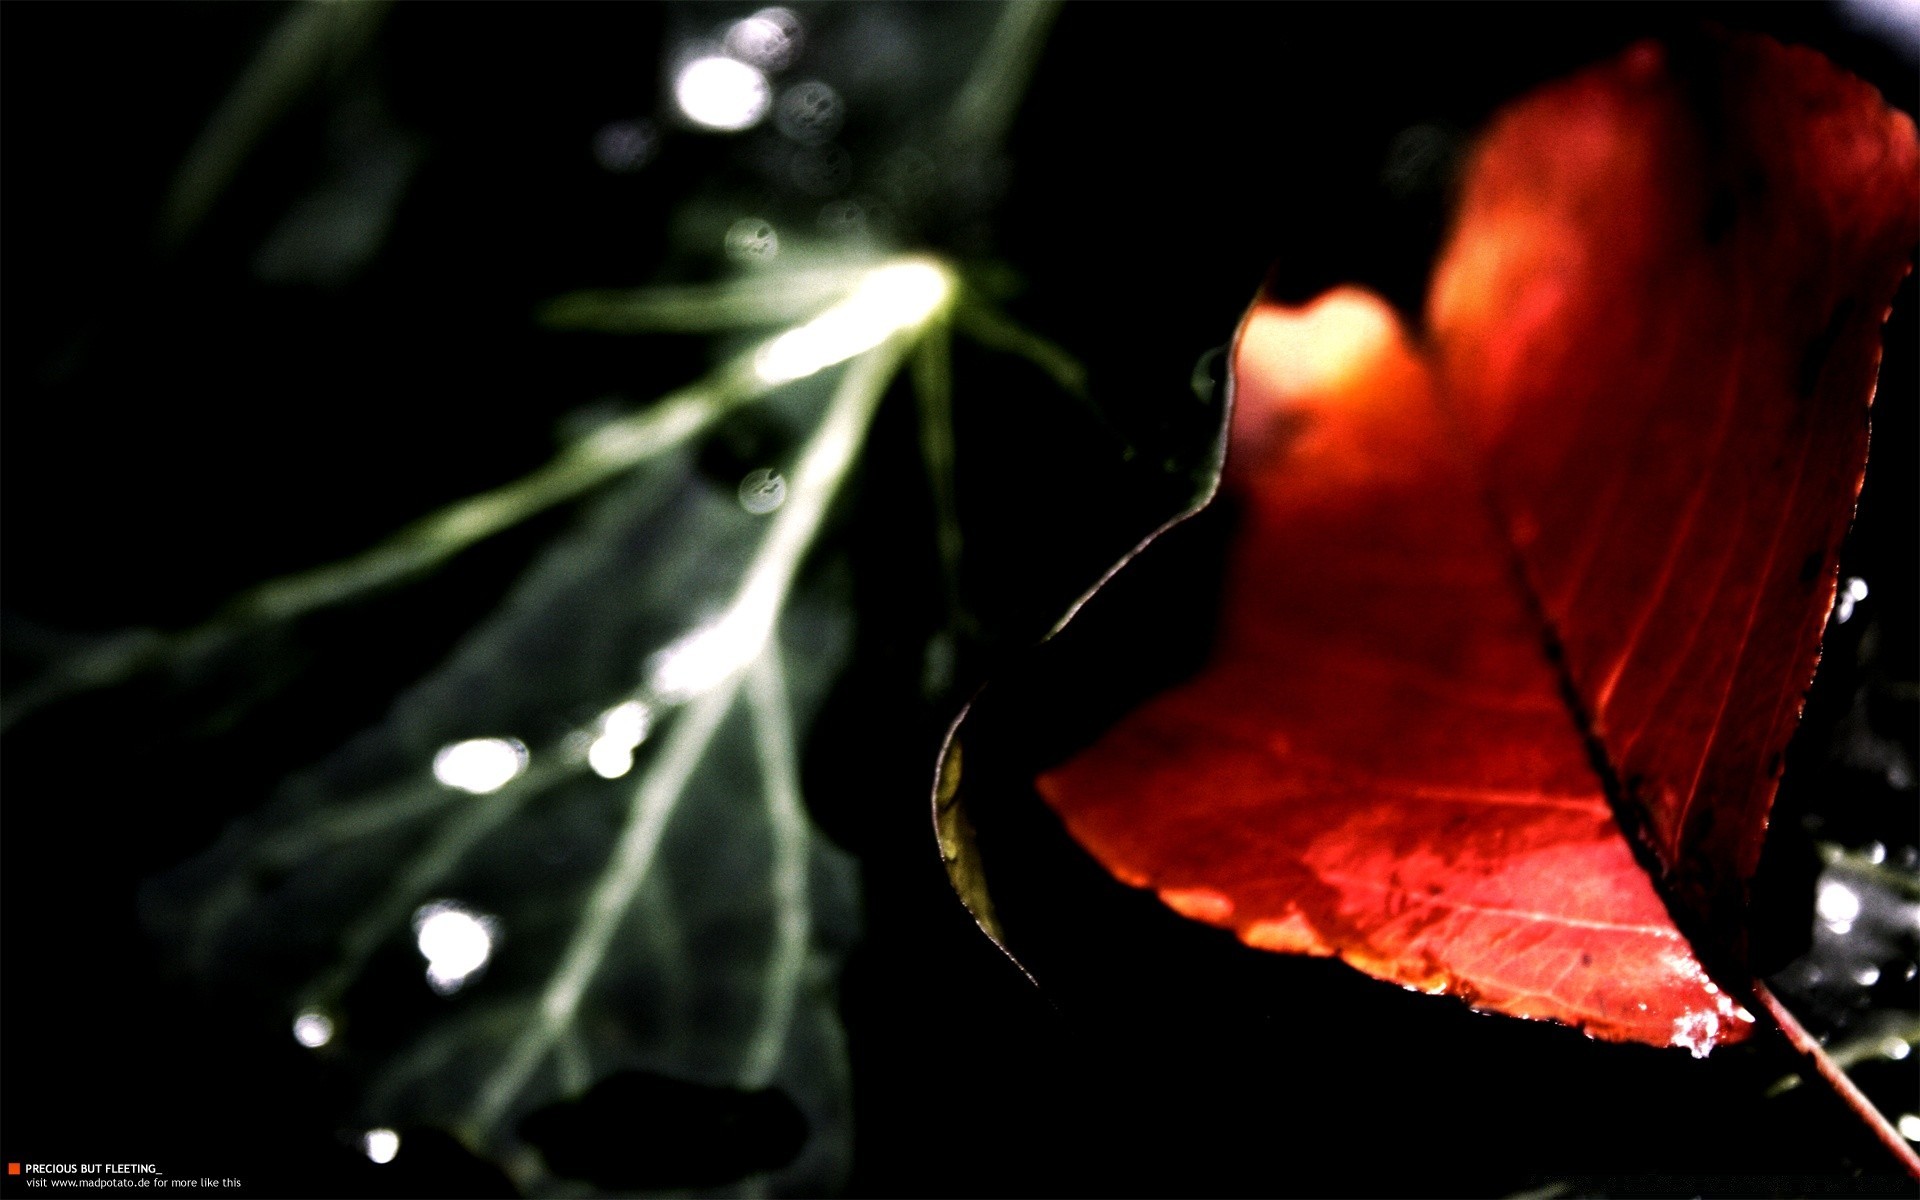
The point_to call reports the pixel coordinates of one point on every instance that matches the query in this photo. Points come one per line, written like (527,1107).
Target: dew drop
(762,491)
(313,1029)
(480,766)
(622,729)
(1851,593)
(752,240)
(722,94)
(1696,1031)
(769,39)
(381,1145)
(456,942)
(809,112)
(1838,904)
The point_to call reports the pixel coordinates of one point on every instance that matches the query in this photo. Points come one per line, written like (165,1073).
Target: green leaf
(682,919)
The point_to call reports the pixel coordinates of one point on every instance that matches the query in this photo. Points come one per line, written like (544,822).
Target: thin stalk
(1849,1093)
(933,386)
(760,299)
(311,39)
(995,330)
(773,739)
(983,109)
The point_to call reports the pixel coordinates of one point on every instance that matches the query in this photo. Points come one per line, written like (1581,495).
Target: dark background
(175,429)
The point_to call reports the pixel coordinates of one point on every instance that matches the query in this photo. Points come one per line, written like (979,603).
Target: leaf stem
(984,106)
(1836,1078)
(747,626)
(773,737)
(309,39)
(654,801)
(992,328)
(762,299)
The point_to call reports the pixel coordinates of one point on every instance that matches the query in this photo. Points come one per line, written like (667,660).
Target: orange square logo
(13,1168)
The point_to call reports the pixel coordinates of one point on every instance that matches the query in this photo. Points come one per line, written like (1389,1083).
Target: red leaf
(1588,529)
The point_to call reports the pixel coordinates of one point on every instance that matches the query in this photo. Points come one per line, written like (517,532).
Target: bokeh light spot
(313,1029)
(381,1145)
(752,240)
(763,491)
(480,765)
(769,39)
(455,941)
(722,94)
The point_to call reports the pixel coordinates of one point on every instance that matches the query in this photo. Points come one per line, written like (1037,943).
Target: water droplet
(809,112)
(625,146)
(381,1145)
(609,760)
(1867,976)
(456,942)
(1697,1032)
(763,491)
(1896,1048)
(1838,904)
(313,1029)
(769,39)
(629,722)
(1875,853)
(480,765)
(752,240)
(722,94)
(622,728)
(1851,592)
(1910,1127)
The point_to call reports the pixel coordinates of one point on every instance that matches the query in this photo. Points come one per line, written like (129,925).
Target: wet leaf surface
(671,914)
(1651,343)
(1658,322)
